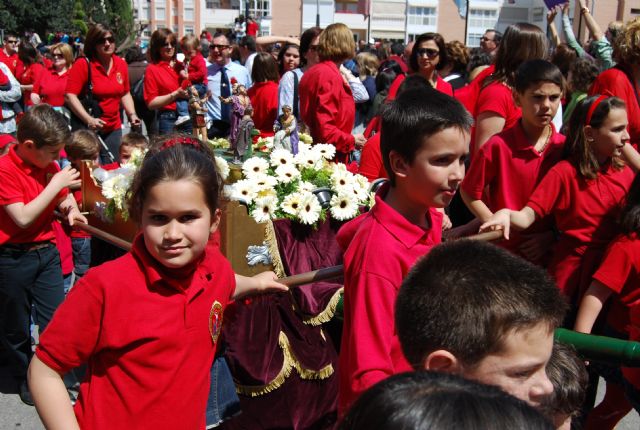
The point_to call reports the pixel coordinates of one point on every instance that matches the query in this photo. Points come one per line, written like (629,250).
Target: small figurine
(197,112)
(239,101)
(286,129)
(244,142)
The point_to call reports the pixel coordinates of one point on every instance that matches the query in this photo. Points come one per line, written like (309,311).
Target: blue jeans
(166,121)
(81,247)
(223,402)
(182,107)
(26,278)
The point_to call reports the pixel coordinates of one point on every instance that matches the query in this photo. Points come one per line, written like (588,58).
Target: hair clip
(595,104)
(183,140)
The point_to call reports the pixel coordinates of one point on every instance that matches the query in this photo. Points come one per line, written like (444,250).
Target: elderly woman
(110,80)
(162,79)
(50,86)
(327,106)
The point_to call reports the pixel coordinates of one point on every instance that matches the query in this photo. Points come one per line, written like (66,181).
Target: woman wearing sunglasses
(428,56)
(49,87)
(110,80)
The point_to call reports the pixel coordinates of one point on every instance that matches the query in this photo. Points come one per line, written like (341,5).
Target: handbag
(89,104)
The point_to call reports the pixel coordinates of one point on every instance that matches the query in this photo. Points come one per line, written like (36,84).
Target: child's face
(611,136)
(519,367)
(539,103)
(39,157)
(176,222)
(125,152)
(433,177)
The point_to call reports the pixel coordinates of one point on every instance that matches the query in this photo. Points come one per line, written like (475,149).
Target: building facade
(398,20)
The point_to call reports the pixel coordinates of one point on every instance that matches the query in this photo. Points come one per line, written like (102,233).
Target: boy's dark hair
(44,126)
(397,48)
(180,161)
(466,296)
(414,116)
(535,71)
(134,139)
(583,72)
(248,42)
(435,401)
(265,68)
(569,378)
(84,145)
(630,216)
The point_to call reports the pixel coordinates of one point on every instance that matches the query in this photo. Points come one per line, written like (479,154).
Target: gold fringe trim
(328,313)
(272,243)
(290,362)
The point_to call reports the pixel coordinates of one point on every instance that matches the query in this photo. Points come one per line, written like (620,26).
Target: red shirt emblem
(119,78)
(215,320)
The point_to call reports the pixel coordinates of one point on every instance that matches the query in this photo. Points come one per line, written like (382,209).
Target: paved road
(16,415)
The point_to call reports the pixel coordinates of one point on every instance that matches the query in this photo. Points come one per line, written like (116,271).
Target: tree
(79,17)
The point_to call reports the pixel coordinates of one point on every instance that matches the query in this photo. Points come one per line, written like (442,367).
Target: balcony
(354,21)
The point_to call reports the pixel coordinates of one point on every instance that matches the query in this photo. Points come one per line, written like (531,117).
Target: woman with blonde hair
(50,86)
(368,69)
(327,106)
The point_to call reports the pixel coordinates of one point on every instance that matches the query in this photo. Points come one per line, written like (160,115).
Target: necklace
(546,142)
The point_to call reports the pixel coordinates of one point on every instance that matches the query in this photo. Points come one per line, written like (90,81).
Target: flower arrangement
(303,187)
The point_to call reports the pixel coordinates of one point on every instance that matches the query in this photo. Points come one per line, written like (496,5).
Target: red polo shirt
(12,61)
(506,170)
(108,89)
(51,87)
(327,108)
(197,70)
(28,77)
(21,183)
(497,98)
(147,336)
(371,164)
(370,350)
(161,79)
(620,272)
(264,99)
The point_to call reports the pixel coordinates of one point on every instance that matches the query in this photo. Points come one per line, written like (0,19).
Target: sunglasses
(486,39)
(13,42)
(58,56)
(109,39)
(218,47)
(430,53)
(169,45)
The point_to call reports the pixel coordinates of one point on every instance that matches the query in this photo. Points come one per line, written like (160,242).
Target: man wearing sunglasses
(490,42)
(220,72)
(9,53)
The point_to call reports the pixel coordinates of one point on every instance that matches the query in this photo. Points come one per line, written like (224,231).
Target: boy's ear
(29,144)
(516,97)
(215,220)
(398,164)
(443,361)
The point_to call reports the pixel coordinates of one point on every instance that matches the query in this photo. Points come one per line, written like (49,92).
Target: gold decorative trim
(272,243)
(289,363)
(328,313)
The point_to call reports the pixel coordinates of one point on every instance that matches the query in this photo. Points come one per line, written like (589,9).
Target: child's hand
(501,220)
(74,216)
(446,222)
(67,177)
(551,14)
(268,281)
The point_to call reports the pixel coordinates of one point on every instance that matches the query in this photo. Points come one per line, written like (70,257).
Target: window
(188,29)
(188,14)
(160,13)
(145,13)
(212,4)
(483,18)
(346,7)
(187,3)
(160,26)
(473,39)
(422,16)
(259,8)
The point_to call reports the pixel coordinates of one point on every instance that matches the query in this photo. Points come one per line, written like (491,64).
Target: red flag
(364,7)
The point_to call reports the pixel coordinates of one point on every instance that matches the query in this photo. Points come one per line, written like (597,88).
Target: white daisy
(280,157)
(326,150)
(341,179)
(287,173)
(360,186)
(309,160)
(310,209)
(343,206)
(223,167)
(264,182)
(245,190)
(306,186)
(255,166)
(291,203)
(265,208)
(303,147)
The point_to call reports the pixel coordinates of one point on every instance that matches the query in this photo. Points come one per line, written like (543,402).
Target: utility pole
(317,13)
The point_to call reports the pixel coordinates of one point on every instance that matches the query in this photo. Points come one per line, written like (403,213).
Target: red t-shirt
(615,82)
(371,164)
(370,350)
(252,28)
(197,70)
(264,99)
(498,98)
(21,183)
(327,108)
(108,89)
(161,79)
(620,272)
(50,86)
(506,170)
(28,77)
(12,61)
(149,339)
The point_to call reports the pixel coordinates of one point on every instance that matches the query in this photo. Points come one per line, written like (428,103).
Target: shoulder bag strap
(295,95)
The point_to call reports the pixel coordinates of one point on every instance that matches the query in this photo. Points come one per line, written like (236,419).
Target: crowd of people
(525,134)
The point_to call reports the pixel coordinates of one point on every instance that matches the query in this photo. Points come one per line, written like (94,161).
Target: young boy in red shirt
(195,73)
(507,168)
(424,143)
(474,309)
(32,186)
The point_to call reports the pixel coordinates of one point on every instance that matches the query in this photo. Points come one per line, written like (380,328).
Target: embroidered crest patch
(215,320)
(119,78)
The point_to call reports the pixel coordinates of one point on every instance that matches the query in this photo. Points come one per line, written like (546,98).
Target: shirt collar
(398,226)
(22,164)
(521,141)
